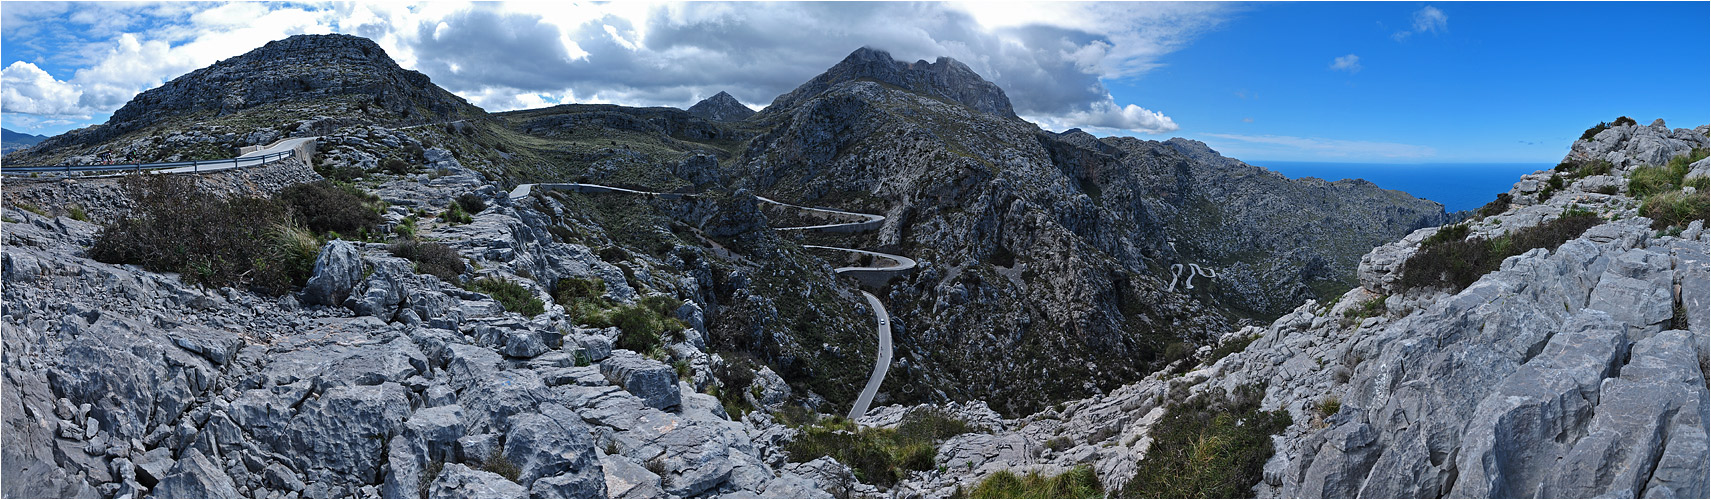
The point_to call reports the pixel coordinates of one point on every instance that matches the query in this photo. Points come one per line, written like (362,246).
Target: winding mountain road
(874,276)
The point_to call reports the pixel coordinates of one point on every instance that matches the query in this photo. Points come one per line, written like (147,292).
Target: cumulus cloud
(1108,115)
(1426,20)
(1050,59)
(1321,147)
(28,89)
(1349,63)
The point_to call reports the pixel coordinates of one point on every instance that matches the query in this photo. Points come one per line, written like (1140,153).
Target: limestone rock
(653,381)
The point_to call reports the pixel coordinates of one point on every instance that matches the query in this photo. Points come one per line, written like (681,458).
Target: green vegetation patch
(1675,208)
(325,206)
(1456,263)
(431,258)
(878,456)
(515,297)
(209,240)
(1079,482)
(1212,445)
(640,325)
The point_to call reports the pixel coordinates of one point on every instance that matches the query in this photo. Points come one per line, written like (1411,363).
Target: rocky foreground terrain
(1041,331)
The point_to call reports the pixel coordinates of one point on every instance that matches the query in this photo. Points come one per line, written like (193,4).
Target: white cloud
(1261,145)
(1349,63)
(1107,116)
(28,89)
(1426,20)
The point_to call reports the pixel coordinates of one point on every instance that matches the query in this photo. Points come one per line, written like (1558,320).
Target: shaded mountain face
(337,76)
(944,79)
(10,140)
(1047,258)
(721,107)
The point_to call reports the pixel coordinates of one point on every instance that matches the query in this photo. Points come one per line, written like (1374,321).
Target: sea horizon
(1458,186)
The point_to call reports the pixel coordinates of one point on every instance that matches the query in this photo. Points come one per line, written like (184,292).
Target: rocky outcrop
(722,107)
(146,386)
(1518,385)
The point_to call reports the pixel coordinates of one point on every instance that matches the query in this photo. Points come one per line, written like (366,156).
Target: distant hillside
(10,141)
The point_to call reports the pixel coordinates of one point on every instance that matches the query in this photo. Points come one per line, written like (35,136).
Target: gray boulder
(194,476)
(626,479)
(337,270)
(652,381)
(458,481)
(557,448)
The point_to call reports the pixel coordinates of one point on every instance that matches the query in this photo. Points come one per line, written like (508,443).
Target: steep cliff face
(1054,253)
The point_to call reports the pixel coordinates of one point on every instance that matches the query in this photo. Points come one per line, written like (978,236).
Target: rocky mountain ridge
(722,107)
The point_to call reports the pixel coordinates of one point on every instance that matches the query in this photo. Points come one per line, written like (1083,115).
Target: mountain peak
(301,67)
(943,78)
(722,107)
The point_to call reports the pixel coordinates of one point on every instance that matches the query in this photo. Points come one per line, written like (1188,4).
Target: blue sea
(1459,186)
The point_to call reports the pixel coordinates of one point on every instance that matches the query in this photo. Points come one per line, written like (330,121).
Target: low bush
(396,166)
(1211,445)
(1457,263)
(328,207)
(1592,132)
(641,324)
(76,212)
(1496,206)
(1675,208)
(455,214)
(878,456)
(516,298)
(209,240)
(471,203)
(1591,168)
(1078,482)
(431,258)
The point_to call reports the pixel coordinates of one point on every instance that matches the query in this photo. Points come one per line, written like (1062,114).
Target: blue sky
(1387,82)
(1488,82)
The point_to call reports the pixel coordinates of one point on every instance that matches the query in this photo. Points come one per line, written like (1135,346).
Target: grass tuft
(1079,482)
(515,297)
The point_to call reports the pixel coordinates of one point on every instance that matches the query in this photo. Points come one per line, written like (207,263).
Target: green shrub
(516,298)
(1623,120)
(471,203)
(209,240)
(1496,206)
(1457,263)
(396,166)
(640,325)
(1212,445)
(1675,208)
(1078,482)
(1231,347)
(328,207)
(1371,308)
(431,258)
(455,214)
(76,212)
(1700,183)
